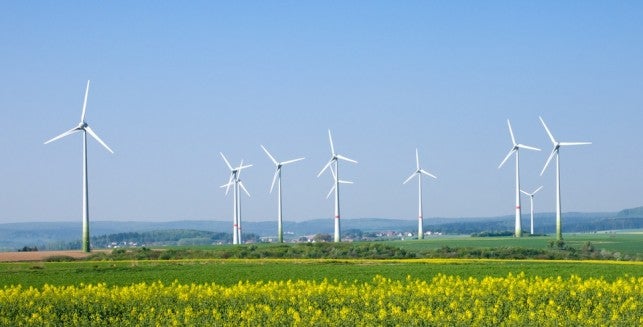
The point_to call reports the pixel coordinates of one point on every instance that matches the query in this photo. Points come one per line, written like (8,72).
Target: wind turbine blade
(226,185)
(331,191)
(332,172)
(522,146)
(551,137)
(325,167)
(511,132)
(239,168)
(427,173)
(242,167)
(291,161)
(548,160)
(574,143)
(536,191)
(227,189)
(274,179)
(330,138)
(91,132)
(244,188)
(82,116)
(417,159)
(226,160)
(69,132)
(269,155)
(344,182)
(507,157)
(525,193)
(339,156)
(239,171)
(410,177)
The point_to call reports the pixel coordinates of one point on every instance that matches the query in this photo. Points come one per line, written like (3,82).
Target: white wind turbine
(85,129)
(235,182)
(516,149)
(340,181)
(334,162)
(419,172)
(531,205)
(277,178)
(241,187)
(336,181)
(557,145)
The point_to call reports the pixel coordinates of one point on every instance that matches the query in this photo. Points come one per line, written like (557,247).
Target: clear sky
(175,83)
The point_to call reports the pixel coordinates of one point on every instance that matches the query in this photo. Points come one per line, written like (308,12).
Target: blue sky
(175,83)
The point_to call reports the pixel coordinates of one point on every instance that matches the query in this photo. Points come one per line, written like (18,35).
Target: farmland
(231,271)
(105,289)
(346,293)
(628,243)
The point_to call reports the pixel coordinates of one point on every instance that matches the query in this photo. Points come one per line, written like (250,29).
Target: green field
(630,243)
(229,271)
(113,291)
(614,246)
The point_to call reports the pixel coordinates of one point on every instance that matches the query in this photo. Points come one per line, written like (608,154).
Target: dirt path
(39,255)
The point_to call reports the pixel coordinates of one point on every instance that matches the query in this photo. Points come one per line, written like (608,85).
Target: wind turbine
(334,166)
(531,205)
(277,178)
(557,145)
(419,172)
(241,187)
(85,129)
(516,149)
(336,182)
(236,184)
(340,181)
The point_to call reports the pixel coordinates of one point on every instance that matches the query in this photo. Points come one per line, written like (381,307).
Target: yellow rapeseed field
(515,300)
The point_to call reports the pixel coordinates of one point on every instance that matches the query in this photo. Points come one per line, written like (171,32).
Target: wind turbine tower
(239,188)
(333,163)
(85,129)
(554,152)
(516,149)
(235,182)
(277,178)
(531,205)
(419,172)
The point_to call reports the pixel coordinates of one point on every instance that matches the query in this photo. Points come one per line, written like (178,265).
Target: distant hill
(47,234)
(631,213)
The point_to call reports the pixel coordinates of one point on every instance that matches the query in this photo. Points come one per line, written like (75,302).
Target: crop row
(444,300)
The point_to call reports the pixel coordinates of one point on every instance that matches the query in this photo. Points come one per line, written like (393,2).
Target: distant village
(352,235)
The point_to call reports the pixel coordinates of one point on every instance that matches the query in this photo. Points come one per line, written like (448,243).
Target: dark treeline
(356,250)
(363,250)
